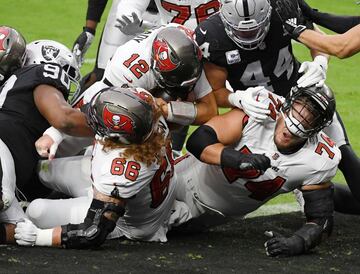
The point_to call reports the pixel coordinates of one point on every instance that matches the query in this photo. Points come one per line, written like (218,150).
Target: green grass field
(62,20)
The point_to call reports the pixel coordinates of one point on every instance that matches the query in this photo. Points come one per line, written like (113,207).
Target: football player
(132,176)
(341,45)
(167,62)
(236,169)
(256,51)
(32,98)
(111,37)
(190,14)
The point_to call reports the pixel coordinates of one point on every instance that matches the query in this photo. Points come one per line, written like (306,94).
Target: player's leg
(7,177)
(350,163)
(344,201)
(69,175)
(178,138)
(45,213)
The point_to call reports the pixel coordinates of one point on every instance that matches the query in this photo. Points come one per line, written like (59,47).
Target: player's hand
(291,17)
(47,145)
(82,43)
(129,25)
(246,100)
(256,161)
(280,245)
(26,233)
(163,105)
(314,72)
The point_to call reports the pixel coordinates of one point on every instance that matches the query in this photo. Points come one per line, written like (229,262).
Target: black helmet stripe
(246,9)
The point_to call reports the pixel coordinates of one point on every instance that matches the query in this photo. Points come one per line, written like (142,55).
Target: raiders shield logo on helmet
(49,52)
(118,122)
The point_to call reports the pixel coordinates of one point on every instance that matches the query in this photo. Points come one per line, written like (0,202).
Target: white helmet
(49,51)
(246,21)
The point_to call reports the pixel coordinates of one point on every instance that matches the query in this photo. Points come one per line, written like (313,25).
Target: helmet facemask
(313,113)
(248,32)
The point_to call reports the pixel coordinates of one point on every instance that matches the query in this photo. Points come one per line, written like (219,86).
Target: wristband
(44,237)
(54,134)
(183,113)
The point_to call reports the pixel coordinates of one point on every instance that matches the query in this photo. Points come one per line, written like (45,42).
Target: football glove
(291,17)
(128,26)
(280,245)
(238,160)
(246,100)
(82,43)
(314,72)
(27,234)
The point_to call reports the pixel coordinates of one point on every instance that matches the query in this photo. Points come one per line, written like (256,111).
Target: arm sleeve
(336,23)
(95,9)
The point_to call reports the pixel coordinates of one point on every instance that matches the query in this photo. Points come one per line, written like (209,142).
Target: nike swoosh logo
(203,31)
(129,80)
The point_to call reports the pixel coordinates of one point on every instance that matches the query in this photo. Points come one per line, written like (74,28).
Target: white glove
(314,72)
(27,234)
(246,100)
(47,145)
(128,26)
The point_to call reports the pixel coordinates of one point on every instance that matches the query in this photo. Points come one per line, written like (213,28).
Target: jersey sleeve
(52,75)
(127,7)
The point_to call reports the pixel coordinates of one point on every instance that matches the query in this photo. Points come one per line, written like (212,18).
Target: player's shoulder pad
(52,74)
(210,34)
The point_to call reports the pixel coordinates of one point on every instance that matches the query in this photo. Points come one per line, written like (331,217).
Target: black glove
(291,17)
(280,245)
(238,160)
(82,43)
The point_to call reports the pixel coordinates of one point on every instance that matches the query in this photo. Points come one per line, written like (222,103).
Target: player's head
(49,51)
(127,114)
(304,113)
(176,60)
(246,22)
(12,51)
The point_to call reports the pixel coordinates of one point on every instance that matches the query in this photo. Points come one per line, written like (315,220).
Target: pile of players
(110,150)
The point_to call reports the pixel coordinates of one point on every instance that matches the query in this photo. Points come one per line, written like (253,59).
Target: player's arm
(334,22)
(100,220)
(84,40)
(340,45)
(210,143)
(217,76)
(52,105)
(319,207)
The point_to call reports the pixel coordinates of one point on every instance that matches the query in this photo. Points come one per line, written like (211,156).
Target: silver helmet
(246,21)
(124,113)
(12,51)
(49,51)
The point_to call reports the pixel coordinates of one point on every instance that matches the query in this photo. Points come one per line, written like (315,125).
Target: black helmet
(125,113)
(319,101)
(12,51)
(176,60)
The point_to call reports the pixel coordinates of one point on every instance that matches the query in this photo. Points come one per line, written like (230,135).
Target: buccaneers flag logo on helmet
(118,122)
(162,56)
(4,33)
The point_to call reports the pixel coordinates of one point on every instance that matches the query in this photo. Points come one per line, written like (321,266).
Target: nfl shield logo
(233,56)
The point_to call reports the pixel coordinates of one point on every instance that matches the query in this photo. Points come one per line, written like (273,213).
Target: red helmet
(176,60)
(125,113)
(12,51)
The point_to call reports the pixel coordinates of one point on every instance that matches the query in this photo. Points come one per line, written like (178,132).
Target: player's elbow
(344,50)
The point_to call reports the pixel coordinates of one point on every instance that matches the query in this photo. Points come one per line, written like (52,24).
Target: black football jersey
(272,65)
(21,124)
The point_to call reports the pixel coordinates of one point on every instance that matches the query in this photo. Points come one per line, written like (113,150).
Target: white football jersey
(148,190)
(185,12)
(130,66)
(236,193)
